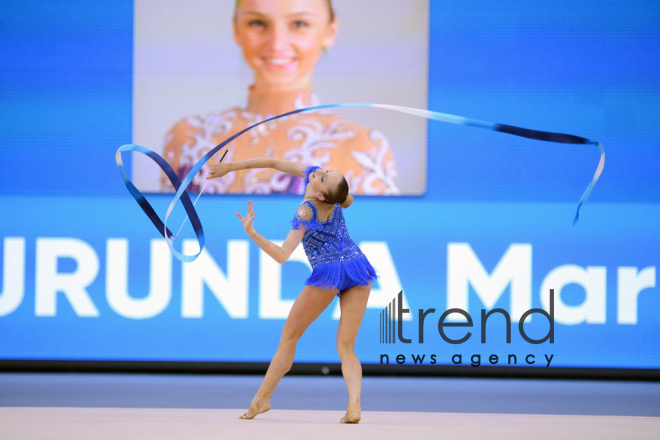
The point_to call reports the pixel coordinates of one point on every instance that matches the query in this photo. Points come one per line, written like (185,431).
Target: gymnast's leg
(353,303)
(311,302)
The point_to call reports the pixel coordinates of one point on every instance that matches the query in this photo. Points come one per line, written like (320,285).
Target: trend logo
(387,322)
(391,323)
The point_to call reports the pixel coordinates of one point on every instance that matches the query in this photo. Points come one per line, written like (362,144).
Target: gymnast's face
(323,181)
(282,40)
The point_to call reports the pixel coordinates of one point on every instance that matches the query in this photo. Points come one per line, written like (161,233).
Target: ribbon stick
(198,196)
(194,203)
(180,187)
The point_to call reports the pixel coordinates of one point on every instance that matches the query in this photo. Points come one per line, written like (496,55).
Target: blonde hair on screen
(328,2)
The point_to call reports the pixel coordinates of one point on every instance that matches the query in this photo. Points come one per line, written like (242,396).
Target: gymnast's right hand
(219,170)
(247,220)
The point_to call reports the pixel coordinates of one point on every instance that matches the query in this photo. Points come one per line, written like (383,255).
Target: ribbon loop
(181,187)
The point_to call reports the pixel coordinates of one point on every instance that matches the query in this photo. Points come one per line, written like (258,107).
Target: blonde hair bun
(347,202)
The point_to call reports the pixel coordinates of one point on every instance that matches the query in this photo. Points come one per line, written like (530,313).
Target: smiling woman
(282,43)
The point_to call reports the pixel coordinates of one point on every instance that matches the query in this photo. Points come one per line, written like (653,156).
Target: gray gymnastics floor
(328,393)
(145,407)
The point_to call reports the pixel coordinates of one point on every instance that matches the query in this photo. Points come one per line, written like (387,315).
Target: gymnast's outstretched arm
(289,166)
(286,166)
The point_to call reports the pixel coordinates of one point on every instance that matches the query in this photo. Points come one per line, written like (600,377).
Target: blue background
(588,68)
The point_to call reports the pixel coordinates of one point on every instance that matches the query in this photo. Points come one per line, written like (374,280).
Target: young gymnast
(339,268)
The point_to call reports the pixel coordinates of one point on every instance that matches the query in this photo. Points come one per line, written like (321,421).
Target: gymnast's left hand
(247,220)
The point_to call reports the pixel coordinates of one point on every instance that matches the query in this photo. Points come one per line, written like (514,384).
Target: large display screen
(204,75)
(481,220)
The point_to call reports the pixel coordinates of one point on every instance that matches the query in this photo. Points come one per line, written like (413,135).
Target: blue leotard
(335,259)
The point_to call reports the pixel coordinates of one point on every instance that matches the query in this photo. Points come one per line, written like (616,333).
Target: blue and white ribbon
(181,187)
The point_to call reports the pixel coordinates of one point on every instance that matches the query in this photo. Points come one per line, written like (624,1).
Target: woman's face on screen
(282,40)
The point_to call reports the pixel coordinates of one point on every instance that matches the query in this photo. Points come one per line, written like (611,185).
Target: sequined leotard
(335,259)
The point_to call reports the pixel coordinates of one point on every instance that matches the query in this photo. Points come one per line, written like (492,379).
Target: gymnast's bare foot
(353,414)
(259,405)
